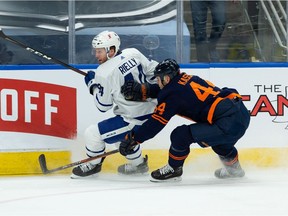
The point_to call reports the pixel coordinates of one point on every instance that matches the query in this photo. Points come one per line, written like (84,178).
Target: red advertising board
(37,107)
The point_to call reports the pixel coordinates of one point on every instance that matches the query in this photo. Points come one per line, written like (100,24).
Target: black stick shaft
(38,53)
(45,170)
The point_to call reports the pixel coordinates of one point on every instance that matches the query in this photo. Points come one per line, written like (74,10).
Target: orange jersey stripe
(230,163)
(160,119)
(234,95)
(214,104)
(205,144)
(178,158)
(212,109)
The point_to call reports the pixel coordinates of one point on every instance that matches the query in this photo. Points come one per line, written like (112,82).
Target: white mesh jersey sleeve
(111,75)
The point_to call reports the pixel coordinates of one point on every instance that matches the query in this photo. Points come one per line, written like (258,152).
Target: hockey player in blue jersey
(116,67)
(220,117)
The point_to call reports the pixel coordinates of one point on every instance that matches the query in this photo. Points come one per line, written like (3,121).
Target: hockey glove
(134,91)
(126,146)
(90,81)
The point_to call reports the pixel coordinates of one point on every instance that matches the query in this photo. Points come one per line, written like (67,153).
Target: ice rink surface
(261,192)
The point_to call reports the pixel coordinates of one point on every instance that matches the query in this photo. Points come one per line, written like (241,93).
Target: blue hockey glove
(126,146)
(90,81)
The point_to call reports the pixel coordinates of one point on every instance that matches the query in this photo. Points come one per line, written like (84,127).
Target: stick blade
(43,165)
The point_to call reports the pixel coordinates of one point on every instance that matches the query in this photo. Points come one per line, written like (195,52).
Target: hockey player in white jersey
(116,67)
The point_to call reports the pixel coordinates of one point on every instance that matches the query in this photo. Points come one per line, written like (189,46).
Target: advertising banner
(48,111)
(54,107)
(38,108)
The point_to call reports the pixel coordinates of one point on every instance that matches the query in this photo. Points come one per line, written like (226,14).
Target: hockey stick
(45,170)
(38,53)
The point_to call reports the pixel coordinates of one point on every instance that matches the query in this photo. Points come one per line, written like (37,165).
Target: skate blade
(72,176)
(230,177)
(174,179)
(133,174)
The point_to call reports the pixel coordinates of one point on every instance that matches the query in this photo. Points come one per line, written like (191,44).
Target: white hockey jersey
(111,75)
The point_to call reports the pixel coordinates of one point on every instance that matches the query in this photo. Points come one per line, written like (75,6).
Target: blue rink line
(191,65)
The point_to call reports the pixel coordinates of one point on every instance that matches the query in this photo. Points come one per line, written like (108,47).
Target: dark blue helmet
(167,67)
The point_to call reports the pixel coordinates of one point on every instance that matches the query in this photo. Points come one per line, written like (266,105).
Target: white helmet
(106,39)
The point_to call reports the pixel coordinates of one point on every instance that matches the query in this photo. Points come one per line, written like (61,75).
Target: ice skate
(129,169)
(232,171)
(86,169)
(167,174)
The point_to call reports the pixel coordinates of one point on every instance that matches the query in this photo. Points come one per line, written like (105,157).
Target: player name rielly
(126,66)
